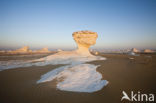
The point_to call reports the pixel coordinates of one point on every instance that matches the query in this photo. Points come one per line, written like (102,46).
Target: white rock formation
(148,51)
(24,49)
(135,50)
(84,40)
(96,53)
(77,76)
(2,51)
(43,50)
(59,50)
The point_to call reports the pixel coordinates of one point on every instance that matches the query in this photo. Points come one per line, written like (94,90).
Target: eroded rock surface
(84,40)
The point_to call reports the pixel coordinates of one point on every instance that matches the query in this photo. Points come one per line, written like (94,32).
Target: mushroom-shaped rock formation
(84,40)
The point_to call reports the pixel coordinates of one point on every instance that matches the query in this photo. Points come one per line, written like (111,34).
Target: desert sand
(123,73)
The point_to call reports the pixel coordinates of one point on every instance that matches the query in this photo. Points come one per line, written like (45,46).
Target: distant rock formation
(148,51)
(43,50)
(84,40)
(96,53)
(135,50)
(22,50)
(26,50)
(59,50)
(2,51)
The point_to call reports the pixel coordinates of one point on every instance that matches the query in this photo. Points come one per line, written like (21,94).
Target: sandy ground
(137,74)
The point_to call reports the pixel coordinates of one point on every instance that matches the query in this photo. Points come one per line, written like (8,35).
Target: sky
(50,23)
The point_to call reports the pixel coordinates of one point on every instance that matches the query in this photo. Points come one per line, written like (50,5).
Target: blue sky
(50,23)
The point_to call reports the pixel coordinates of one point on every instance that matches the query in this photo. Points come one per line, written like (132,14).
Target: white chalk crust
(77,78)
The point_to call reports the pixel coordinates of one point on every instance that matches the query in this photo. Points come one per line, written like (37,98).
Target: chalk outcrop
(43,50)
(2,51)
(135,50)
(26,50)
(77,75)
(59,50)
(84,40)
(22,50)
(96,53)
(148,51)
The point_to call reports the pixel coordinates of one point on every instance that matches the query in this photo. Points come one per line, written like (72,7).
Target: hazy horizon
(120,24)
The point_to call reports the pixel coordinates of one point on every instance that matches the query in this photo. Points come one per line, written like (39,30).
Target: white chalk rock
(135,50)
(96,53)
(59,50)
(43,50)
(23,49)
(84,40)
(148,51)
